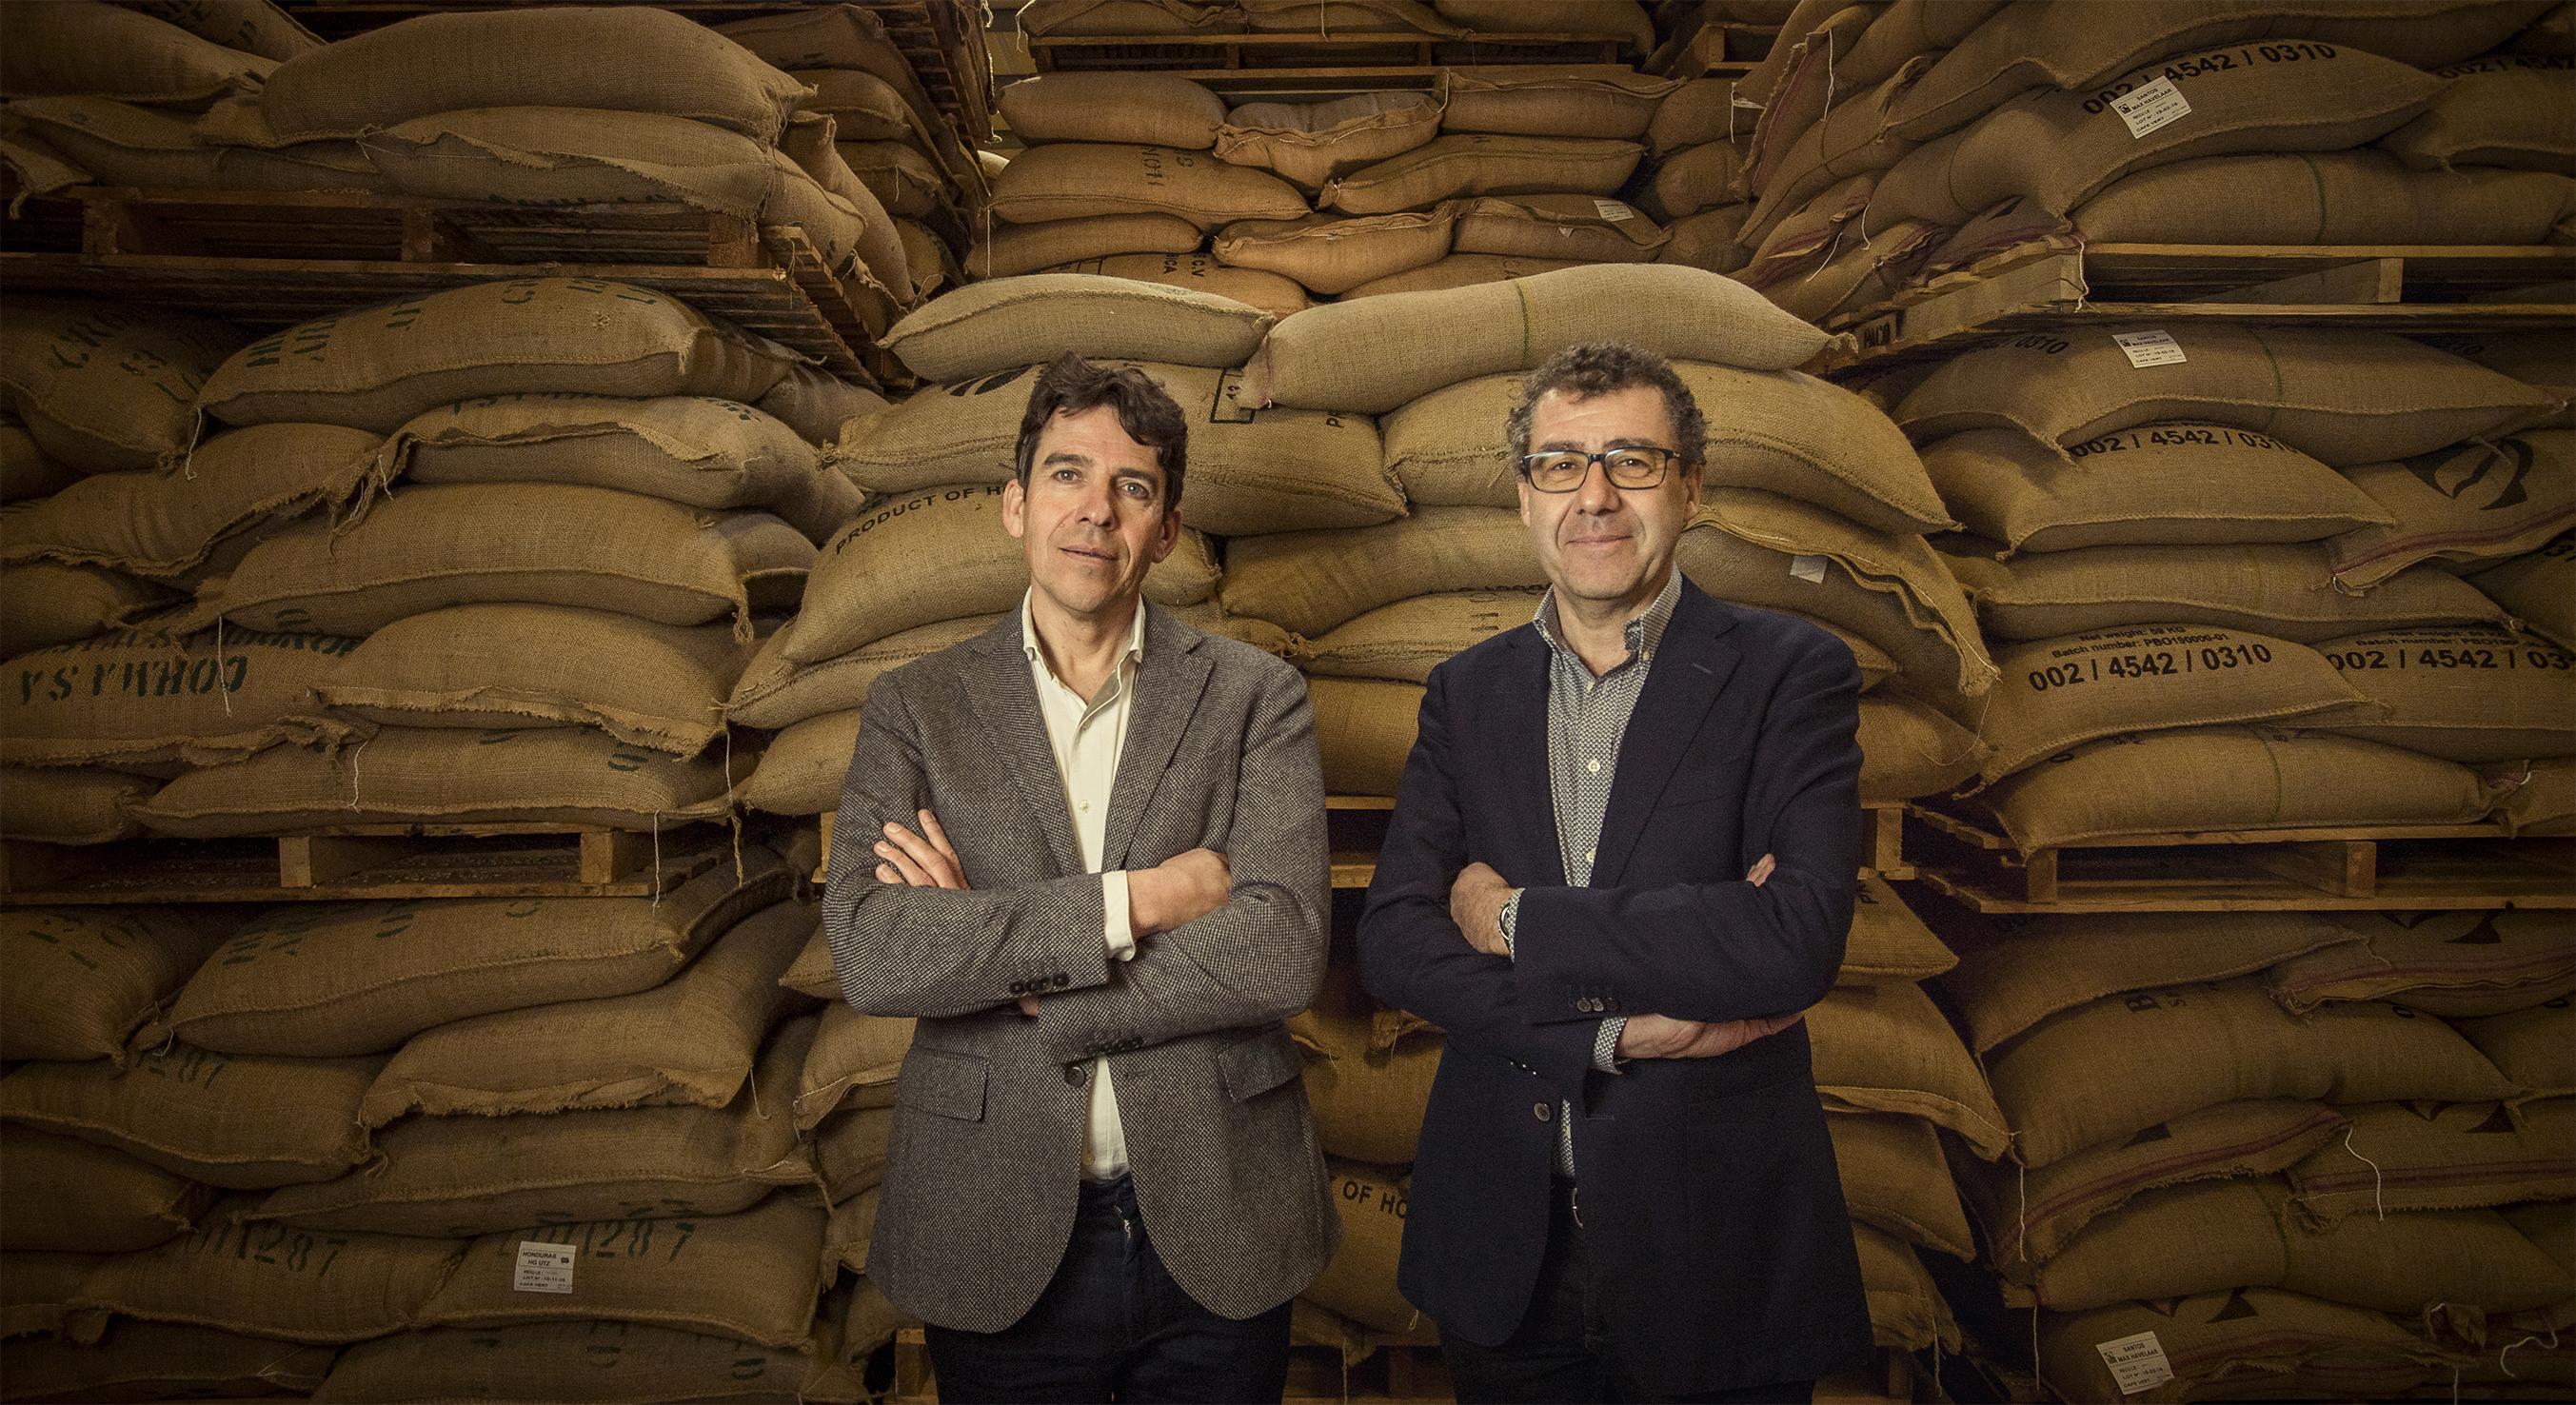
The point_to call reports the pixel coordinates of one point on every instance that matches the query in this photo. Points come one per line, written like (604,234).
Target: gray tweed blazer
(983,1169)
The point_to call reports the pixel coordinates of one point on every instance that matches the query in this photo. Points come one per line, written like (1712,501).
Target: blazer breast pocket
(942,1083)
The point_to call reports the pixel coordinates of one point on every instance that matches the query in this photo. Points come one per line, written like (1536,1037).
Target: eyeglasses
(1563,470)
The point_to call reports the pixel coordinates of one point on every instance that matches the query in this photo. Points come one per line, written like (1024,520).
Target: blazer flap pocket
(1254,1066)
(944,1083)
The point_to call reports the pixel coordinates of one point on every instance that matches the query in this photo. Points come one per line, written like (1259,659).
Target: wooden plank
(335,868)
(2376,281)
(314,861)
(2344,868)
(608,855)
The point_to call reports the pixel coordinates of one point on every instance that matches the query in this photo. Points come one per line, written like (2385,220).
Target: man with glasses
(1621,864)
(1087,851)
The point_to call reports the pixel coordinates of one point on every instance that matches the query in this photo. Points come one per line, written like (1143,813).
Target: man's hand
(1476,898)
(1663,1037)
(1178,891)
(927,860)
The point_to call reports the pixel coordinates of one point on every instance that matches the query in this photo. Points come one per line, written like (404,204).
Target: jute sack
(438,775)
(252,26)
(752,1276)
(1250,470)
(852,1054)
(1270,293)
(26,471)
(2007,983)
(378,367)
(1907,28)
(2283,590)
(2196,1238)
(120,144)
(2499,110)
(458,1177)
(485,543)
(838,229)
(1886,1048)
(802,769)
(52,603)
(163,1361)
(809,147)
(1896,1180)
(104,388)
(2473,695)
(1077,180)
(2452,964)
(1836,284)
(1901,567)
(849,1151)
(904,181)
(68,1196)
(2245,1339)
(2530,1047)
(1309,583)
(939,554)
(236,1122)
(110,51)
(1378,355)
(2345,397)
(2538,588)
(862,106)
(2038,46)
(1368,1071)
(655,685)
(1008,250)
(69,805)
(81,979)
(2221,778)
(1360,1281)
(1701,110)
(820,506)
(2155,485)
(851,1231)
(1909,748)
(775,692)
(932,266)
(2472,1155)
(34,166)
(271,1280)
(1012,322)
(571,156)
(1693,179)
(32,1303)
(336,979)
(2539,796)
(1707,240)
(1906,1309)
(1344,17)
(1586,100)
(1457,271)
(2462,505)
(2340,197)
(1140,109)
(1620,19)
(1781,431)
(608,1053)
(164,524)
(1364,729)
(653,62)
(1328,255)
(1478,164)
(2106,1071)
(2057,693)
(1888,944)
(1308,144)
(2534,358)
(599,1363)
(2029,1215)
(138,697)
(815,404)
(1404,641)
(1580,228)
(834,37)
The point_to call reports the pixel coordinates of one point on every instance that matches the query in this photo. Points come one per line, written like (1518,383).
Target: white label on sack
(2146,349)
(544,1268)
(1810,569)
(2150,106)
(1613,211)
(2137,1363)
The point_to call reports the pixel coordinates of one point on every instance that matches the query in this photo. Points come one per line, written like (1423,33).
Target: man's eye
(1066,475)
(1136,490)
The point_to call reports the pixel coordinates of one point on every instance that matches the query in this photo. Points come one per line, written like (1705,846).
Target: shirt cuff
(1120,933)
(1511,924)
(1605,1045)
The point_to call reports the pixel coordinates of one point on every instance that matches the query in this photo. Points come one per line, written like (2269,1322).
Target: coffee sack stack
(1936,136)
(1464,20)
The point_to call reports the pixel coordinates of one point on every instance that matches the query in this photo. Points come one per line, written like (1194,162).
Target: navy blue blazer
(1709,1188)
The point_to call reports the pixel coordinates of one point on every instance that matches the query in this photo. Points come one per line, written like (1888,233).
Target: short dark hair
(1147,412)
(1599,368)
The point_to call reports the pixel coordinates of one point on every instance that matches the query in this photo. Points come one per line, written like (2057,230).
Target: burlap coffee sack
(103,388)
(1308,144)
(1359,1283)
(2468,1156)
(1886,1049)
(1556,100)
(600,1363)
(52,603)
(2284,590)
(1329,255)
(167,524)
(1010,322)
(571,156)
(1272,294)
(1403,641)
(2476,694)
(164,1361)
(82,979)
(2538,588)
(802,768)
(1896,1181)
(246,1123)
(76,805)
(2499,110)
(1143,109)
(1008,250)
(1909,748)
(113,51)
(150,149)
(2530,1046)
(1701,110)
(1581,228)
(134,698)
(2452,964)
(1457,271)
(1464,164)
(2331,197)
(1906,1309)
(1082,180)
(2244,1339)
(2462,506)
(71,1196)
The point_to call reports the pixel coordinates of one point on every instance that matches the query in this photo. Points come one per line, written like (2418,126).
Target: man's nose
(1596,494)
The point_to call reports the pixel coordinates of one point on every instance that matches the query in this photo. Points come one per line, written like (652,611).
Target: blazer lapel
(1169,679)
(1005,697)
(1520,712)
(1690,669)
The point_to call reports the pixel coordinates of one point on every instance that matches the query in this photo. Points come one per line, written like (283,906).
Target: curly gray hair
(1599,368)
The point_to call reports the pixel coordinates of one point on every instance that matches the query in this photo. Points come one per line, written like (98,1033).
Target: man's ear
(1015,508)
(1167,534)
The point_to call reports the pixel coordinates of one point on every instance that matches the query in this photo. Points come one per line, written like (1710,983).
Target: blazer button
(1062,980)
(1542,1111)
(1073,1074)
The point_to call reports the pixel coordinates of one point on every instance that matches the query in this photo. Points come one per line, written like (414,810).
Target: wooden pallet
(275,258)
(1716,49)
(2056,283)
(2380,868)
(1231,62)
(361,862)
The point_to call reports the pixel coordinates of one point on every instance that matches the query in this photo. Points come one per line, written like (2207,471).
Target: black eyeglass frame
(1666,460)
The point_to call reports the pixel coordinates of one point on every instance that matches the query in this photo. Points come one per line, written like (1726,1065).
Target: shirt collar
(1645,633)
(1029,633)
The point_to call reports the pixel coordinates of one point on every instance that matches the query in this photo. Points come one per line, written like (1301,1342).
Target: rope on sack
(657,858)
(2376,1176)
(2551,1343)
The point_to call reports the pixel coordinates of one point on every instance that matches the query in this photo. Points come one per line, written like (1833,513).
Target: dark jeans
(1112,1325)
(1561,1353)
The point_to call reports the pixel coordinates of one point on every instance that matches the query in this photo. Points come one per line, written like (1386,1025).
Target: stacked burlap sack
(557,517)
(2221,570)
(2310,1153)
(1144,20)
(1912,139)
(240,1143)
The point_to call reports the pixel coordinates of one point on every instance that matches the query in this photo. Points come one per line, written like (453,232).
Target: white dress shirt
(1087,737)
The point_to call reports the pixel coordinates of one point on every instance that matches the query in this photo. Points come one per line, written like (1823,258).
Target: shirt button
(1084,806)
(1542,1111)
(1592,766)
(1587,856)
